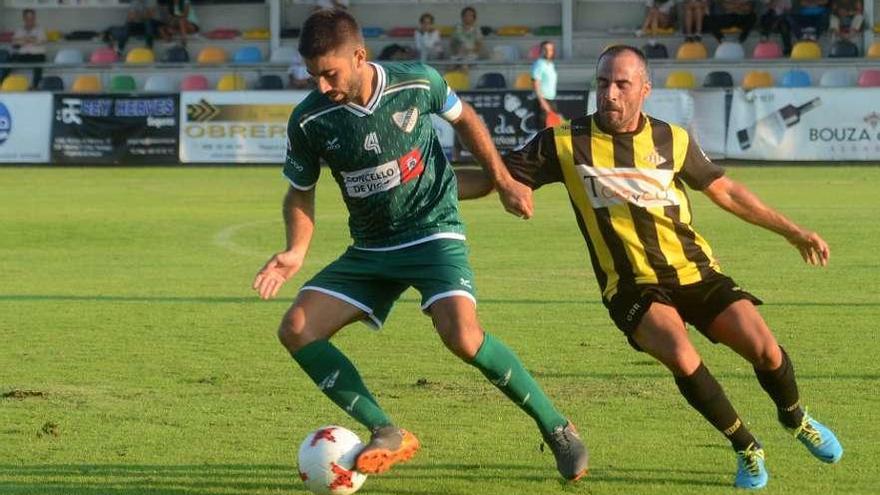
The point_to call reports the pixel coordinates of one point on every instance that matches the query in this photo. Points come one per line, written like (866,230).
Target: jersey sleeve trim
(452,108)
(297,186)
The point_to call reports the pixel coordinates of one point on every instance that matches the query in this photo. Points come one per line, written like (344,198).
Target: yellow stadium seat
(86,83)
(15,82)
(523,81)
(806,50)
(512,31)
(255,34)
(874,50)
(692,50)
(877,27)
(53,35)
(757,79)
(458,80)
(212,55)
(140,56)
(231,82)
(681,80)
(446,31)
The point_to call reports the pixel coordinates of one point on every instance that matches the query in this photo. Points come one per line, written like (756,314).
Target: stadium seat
(195,82)
(401,32)
(806,50)
(270,82)
(505,53)
(212,55)
(222,34)
(122,83)
(53,35)
(549,30)
(869,78)
(4,55)
(767,50)
(86,83)
(160,83)
(692,50)
(535,52)
(231,82)
(874,50)
(69,56)
(6,36)
(512,31)
(103,56)
(247,55)
(283,55)
(796,78)
(718,79)
(730,50)
(523,81)
(757,79)
(140,55)
(458,80)
(51,83)
(655,51)
(15,82)
(446,31)
(372,31)
(256,34)
(491,80)
(176,55)
(838,78)
(681,79)
(843,49)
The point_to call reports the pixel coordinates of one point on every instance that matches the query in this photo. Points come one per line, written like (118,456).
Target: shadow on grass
(215,479)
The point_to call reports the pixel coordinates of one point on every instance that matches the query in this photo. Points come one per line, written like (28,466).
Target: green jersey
(397,184)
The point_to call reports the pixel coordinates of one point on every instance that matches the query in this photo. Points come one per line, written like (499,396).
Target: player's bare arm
(516,197)
(299,222)
(737,199)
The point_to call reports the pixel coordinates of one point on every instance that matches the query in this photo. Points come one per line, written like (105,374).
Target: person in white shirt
(297,74)
(427,38)
(29,45)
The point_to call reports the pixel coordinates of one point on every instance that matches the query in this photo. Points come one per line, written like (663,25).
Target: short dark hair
(469,9)
(615,50)
(545,43)
(326,30)
(428,15)
(28,11)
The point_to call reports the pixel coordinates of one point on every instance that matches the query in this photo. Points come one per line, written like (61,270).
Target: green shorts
(373,280)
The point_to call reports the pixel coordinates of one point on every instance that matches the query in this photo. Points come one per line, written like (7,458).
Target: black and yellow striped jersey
(628,196)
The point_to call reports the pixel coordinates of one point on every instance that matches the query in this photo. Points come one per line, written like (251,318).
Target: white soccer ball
(326,461)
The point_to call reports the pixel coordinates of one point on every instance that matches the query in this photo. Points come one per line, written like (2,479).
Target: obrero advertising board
(25,127)
(235,126)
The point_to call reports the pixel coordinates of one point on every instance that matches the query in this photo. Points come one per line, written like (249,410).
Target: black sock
(704,393)
(781,386)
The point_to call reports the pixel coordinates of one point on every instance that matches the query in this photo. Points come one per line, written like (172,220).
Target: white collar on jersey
(373,104)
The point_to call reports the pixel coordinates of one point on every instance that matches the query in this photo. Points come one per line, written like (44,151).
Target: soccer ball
(326,461)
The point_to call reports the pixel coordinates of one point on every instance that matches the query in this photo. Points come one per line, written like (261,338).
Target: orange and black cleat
(388,446)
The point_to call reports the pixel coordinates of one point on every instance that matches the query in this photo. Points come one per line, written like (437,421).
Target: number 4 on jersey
(371,143)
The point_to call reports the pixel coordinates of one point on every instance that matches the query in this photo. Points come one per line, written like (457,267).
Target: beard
(350,93)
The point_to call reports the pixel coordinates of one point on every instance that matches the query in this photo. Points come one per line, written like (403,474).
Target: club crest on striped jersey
(406,120)
(646,188)
(655,158)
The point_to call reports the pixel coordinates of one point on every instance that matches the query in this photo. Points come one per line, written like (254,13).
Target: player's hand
(814,250)
(275,272)
(516,198)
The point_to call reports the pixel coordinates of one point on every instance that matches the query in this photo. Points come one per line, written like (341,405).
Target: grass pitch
(134,359)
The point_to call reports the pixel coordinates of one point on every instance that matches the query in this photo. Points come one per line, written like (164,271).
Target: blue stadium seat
(838,78)
(69,56)
(160,83)
(491,80)
(247,55)
(796,78)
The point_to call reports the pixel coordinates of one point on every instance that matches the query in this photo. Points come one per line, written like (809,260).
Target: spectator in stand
(467,41)
(810,19)
(297,74)
(427,38)
(660,15)
(144,18)
(727,14)
(183,21)
(694,12)
(28,46)
(777,19)
(544,84)
(846,18)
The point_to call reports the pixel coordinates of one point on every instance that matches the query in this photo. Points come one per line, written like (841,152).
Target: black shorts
(697,304)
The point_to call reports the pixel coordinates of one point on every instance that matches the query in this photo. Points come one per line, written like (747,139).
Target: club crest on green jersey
(407,119)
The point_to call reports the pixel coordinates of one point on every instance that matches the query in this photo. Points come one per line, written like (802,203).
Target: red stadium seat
(869,78)
(767,50)
(196,82)
(104,56)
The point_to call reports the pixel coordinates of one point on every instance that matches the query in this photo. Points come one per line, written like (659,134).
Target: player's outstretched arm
(737,199)
(516,197)
(299,221)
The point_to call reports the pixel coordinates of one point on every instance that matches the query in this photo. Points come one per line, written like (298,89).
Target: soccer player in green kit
(371,124)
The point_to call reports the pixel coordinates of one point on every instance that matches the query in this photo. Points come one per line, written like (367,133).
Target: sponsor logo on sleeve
(368,181)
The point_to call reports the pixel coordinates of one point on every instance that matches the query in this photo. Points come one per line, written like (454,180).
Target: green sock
(337,377)
(503,368)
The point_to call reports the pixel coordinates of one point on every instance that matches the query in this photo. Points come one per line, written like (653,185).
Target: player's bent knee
(463,341)
(291,331)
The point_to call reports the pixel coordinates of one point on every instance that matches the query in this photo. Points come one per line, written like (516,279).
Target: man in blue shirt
(544,83)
